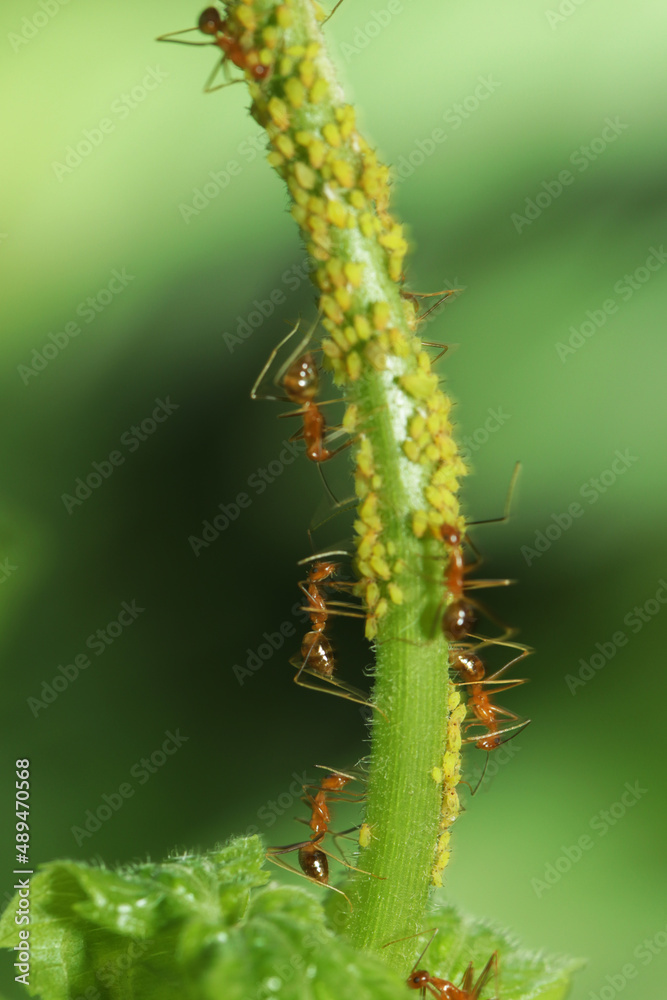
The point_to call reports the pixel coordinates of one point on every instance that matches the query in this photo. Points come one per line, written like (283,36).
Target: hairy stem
(407,464)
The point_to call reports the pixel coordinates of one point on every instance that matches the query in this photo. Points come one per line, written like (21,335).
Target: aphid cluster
(340,193)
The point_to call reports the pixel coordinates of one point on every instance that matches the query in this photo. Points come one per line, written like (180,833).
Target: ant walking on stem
(443,989)
(211,23)
(459,617)
(312,857)
(316,657)
(299,378)
(472,672)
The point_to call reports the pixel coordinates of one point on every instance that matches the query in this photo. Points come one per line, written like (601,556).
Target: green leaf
(207,927)
(522,975)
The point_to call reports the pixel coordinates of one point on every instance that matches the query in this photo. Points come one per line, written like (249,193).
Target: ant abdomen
(314,863)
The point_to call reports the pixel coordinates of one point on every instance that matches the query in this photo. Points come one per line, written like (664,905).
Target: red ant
(316,656)
(211,23)
(300,379)
(313,859)
(460,616)
(443,989)
(472,671)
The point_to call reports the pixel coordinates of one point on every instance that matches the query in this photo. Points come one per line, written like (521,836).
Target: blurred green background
(521,92)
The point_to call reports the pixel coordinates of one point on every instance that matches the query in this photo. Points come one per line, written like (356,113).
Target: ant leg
(270,856)
(345,690)
(508,500)
(331,13)
(484,975)
(258,380)
(169,37)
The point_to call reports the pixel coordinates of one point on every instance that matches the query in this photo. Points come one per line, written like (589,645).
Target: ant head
(260,71)
(322,570)
(418,978)
(450,536)
(210,21)
(301,380)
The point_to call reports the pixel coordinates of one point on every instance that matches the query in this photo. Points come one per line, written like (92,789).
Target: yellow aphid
(343,172)
(312,50)
(357,199)
(319,91)
(436,774)
(270,36)
(419,523)
(350,418)
(365,835)
(279,113)
(353,365)
(362,326)
(396,595)
(331,350)
(366,224)
(331,309)
(365,462)
(317,152)
(276,159)
(284,18)
(396,266)
(285,145)
(337,214)
(354,273)
(307,73)
(346,119)
(298,212)
(305,177)
(343,298)
(246,17)
(285,66)
(303,138)
(380,567)
(381,315)
(412,451)
(372,594)
(419,384)
(331,133)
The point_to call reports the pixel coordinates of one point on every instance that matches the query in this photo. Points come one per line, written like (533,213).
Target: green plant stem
(382,370)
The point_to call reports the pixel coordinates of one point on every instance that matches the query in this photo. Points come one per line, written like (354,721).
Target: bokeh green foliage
(164,336)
